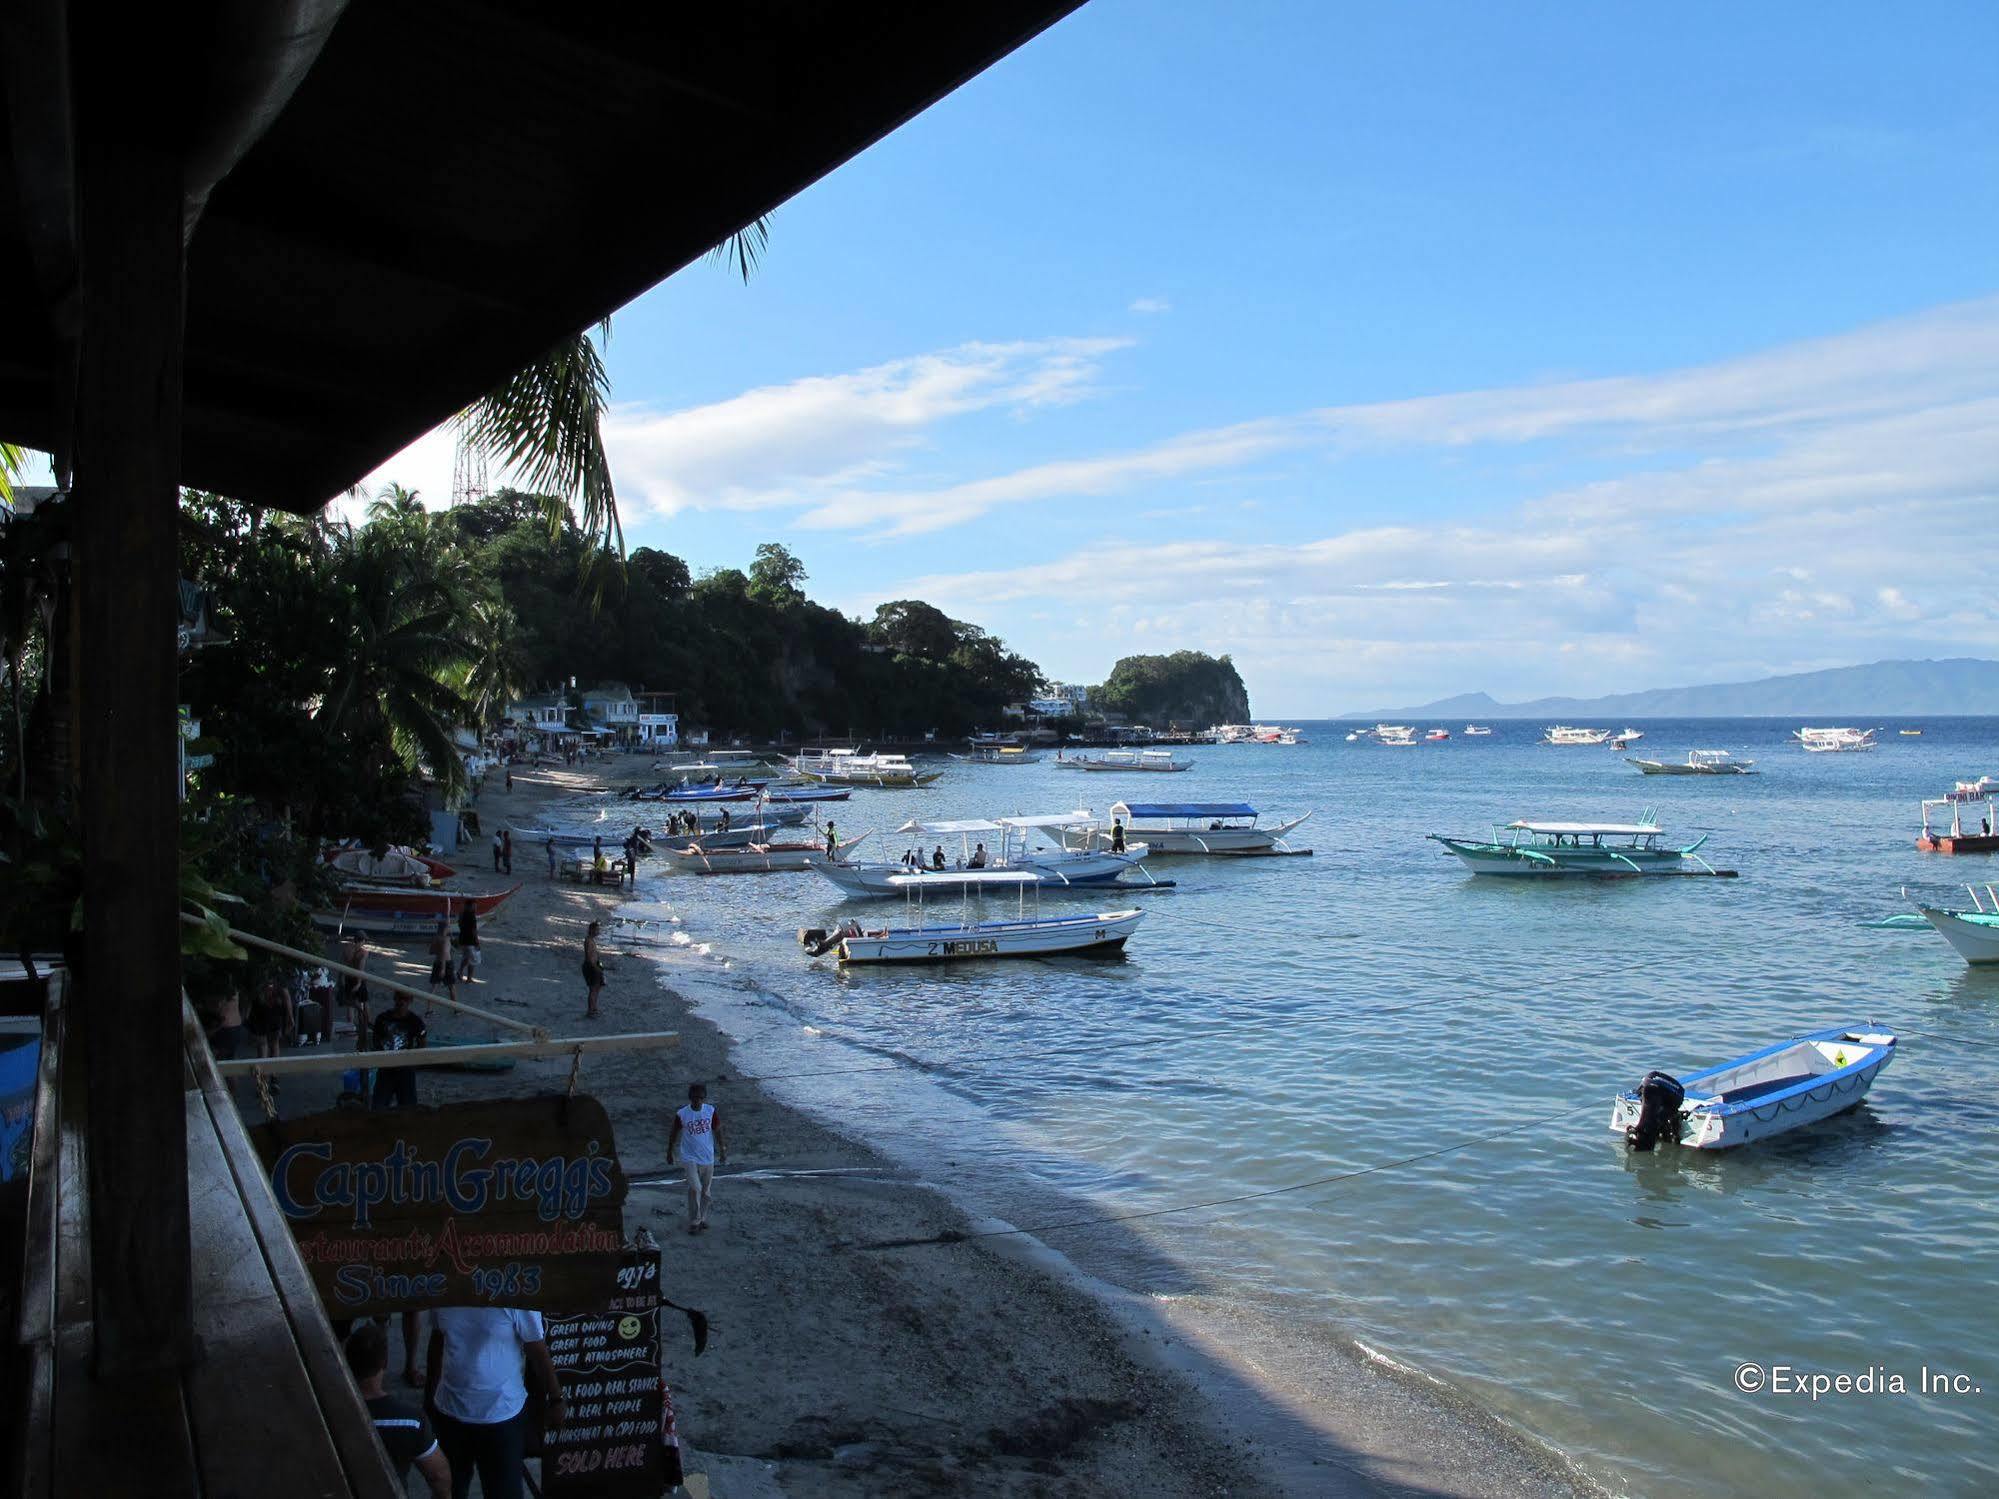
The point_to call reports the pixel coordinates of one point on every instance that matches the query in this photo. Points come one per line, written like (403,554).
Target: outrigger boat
(1755,1097)
(404,913)
(756,858)
(1201,828)
(1563,734)
(1834,741)
(1974,933)
(1025,936)
(1012,850)
(1604,849)
(993,753)
(845,767)
(393,866)
(1955,840)
(1158,761)
(1698,763)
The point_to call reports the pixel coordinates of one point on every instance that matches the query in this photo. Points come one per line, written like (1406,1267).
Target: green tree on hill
(1189,688)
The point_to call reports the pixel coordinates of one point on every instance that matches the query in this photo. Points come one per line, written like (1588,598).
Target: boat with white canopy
(1158,761)
(1758,1096)
(1604,849)
(998,754)
(1022,936)
(1010,843)
(845,767)
(1700,762)
(1201,828)
(1566,735)
(1834,741)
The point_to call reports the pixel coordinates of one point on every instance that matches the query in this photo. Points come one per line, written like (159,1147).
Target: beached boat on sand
(1699,762)
(436,902)
(1199,827)
(1023,936)
(393,866)
(1610,850)
(1756,1097)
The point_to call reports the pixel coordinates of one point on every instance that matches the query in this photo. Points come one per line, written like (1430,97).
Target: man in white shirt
(697,1134)
(478,1397)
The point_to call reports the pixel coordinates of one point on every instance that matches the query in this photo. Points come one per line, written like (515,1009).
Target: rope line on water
(952,1236)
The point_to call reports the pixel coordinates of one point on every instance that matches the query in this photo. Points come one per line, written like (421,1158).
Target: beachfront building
(659,723)
(610,707)
(546,713)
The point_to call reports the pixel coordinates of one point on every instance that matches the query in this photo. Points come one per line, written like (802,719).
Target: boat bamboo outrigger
(1755,1097)
(1202,828)
(1609,850)
(1013,848)
(1700,762)
(1024,936)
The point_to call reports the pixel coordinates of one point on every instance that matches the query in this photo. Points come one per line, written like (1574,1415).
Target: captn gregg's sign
(514,1203)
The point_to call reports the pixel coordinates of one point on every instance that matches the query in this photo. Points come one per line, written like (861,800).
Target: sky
(1394,350)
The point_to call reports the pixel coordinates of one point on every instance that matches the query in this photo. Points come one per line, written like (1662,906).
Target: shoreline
(997,1367)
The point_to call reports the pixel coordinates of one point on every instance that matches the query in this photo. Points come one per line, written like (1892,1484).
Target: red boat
(431,903)
(436,868)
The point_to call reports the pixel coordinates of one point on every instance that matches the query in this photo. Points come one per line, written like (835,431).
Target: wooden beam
(445,1056)
(128,403)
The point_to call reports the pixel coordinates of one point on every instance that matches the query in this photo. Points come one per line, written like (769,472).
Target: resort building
(610,707)
(546,713)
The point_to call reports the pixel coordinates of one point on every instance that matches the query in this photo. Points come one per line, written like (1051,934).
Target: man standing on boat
(832,840)
(1117,835)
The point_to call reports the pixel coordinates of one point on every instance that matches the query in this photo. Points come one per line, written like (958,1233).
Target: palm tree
(497,672)
(547,422)
(11,461)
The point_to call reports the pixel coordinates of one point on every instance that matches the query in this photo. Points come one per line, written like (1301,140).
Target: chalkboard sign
(514,1203)
(612,1443)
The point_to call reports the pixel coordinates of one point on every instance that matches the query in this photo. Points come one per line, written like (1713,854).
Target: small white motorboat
(1755,1097)
(1023,936)
(1477,731)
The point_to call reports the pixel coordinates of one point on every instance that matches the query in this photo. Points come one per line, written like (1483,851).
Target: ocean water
(1288,1020)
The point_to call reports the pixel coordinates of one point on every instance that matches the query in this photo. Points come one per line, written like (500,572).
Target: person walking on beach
(697,1135)
(443,972)
(510,777)
(468,944)
(354,988)
(478,1395)
(399,1423)
(398,1029)
(507,850)
(593,968)
(496,853)
(549,845)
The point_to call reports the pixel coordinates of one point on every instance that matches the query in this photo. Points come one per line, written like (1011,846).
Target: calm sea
(1277,1021)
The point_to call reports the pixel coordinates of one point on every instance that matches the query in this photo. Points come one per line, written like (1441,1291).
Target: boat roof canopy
(1631,829)
(971,877)
(1183,809)
(950,829)
(1082,817)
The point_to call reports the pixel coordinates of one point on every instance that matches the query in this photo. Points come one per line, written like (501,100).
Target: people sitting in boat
(978,860)
(1117,835)
(937,858)
(909,859)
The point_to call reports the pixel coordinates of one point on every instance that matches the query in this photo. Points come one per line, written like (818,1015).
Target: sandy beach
(987,1368)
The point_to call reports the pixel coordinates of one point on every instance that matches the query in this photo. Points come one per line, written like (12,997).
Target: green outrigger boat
(1608,850)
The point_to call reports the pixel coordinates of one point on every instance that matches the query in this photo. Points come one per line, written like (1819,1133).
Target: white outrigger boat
(1698,763)
(998,754)
(1200,828)
(1024,936)
(1974,933)
(1834,741)
(1012,850)
(756,857)
(1158,761)
(1755,1097)
(1563,734)
(1610,850)
(845,767)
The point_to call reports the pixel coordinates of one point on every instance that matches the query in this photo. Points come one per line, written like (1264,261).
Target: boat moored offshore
(1834,741)
(1201,828)
(1758,1096)
(972,936)
(1569,736)
(1609,850)
(1700,762)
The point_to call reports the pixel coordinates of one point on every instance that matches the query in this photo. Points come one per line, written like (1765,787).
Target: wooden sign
(612,1442)
(513,1203)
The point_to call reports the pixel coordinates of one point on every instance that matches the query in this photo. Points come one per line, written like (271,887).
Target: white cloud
(1150,306)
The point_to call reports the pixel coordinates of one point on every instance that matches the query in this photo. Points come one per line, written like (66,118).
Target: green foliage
(1187,688)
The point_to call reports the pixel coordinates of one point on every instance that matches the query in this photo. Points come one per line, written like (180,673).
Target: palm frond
(744,250)
(545,424)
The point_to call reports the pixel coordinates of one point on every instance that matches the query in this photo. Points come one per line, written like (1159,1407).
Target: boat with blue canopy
(1755,1097)
(1202,828)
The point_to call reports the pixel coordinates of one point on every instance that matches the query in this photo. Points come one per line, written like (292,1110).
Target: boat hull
(1520,863)
(1671,768)
(1763,1095)
(1976,941)
(430,904)
(1103,933)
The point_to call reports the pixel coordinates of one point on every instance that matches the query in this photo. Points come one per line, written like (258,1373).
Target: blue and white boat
(971,937)
(1200,827)
(1759,1096)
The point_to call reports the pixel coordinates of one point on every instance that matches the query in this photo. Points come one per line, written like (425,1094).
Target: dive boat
(845,767)
(1024,936)
(1834,741)
(1012,848)
(1477,731)
(1553,849)
(1699,762)
(1148,760)
(755,858)
(1563,734)
(998,754)
(1200,827)
(1756,1097)
(1974,933)
(1956,839)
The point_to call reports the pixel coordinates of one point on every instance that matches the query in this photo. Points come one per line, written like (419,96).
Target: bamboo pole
(393,985)
(444,1056)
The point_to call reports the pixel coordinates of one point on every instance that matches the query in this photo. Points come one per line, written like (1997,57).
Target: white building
(613,707)
(545,713)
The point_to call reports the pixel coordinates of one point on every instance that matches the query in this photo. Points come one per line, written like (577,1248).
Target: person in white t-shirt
(697,1134)
(478,1396)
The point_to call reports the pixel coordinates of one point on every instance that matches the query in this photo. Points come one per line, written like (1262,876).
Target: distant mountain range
(1886,689)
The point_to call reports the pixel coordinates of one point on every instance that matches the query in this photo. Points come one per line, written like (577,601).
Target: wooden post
(128,413)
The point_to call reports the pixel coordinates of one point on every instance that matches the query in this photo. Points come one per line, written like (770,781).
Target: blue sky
(1399,350)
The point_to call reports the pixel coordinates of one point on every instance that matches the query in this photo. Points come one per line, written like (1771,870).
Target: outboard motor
(1659,1100)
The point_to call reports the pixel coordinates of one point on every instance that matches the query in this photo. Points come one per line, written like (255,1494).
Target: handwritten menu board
(610,1446)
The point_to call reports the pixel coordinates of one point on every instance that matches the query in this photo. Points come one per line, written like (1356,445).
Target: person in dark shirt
(399,1424)
(398,1029)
